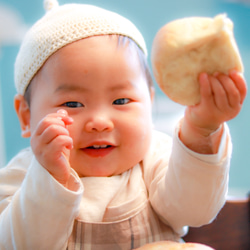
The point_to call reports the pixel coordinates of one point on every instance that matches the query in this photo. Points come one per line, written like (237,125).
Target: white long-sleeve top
(184,189)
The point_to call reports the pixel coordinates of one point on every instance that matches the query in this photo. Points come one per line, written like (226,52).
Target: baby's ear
(23,113)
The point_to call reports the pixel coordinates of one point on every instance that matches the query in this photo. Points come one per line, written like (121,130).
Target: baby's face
(102,87)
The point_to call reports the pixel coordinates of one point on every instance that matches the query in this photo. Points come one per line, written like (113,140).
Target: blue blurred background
(148,15)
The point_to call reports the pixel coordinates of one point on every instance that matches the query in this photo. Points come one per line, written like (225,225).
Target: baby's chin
(101,171)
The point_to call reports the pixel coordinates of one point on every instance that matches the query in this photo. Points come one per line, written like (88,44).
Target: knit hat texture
(62,25)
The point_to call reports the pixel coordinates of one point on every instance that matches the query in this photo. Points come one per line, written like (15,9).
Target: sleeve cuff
(44,183)
(209,158)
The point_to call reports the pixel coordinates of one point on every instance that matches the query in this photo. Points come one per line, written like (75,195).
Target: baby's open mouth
(98,150)
(99,146)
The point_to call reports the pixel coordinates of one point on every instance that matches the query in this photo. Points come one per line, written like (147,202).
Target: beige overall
(142,228)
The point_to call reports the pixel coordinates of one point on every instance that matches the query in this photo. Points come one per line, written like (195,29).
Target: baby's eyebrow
(121,86)
(78,88)
(70,87)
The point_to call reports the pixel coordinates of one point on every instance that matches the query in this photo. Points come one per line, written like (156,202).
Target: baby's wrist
(199,129)
(200,140)
(216,131)
(204,132)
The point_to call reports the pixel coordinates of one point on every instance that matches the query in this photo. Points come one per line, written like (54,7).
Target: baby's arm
(194,187)
(36,212)
(51,144)
(222,97)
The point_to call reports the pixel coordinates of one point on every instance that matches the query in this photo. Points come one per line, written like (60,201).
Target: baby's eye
(121,101)
(73,104)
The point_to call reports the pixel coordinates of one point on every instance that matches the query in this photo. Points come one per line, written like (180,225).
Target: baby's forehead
(62,66)
(92,51)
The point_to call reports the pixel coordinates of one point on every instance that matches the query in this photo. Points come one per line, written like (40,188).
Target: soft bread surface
(184,48)
(169,245)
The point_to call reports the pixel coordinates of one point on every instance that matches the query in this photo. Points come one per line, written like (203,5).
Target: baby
(97,176)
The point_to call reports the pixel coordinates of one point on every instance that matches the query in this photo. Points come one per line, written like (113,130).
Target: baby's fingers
(212,92)
(205,89)
(51,132)
(240,84)
(63,115)
(59,143)
(52,128)
(59,119)
(233,94)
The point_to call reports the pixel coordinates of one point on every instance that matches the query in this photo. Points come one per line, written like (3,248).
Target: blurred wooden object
(229,231)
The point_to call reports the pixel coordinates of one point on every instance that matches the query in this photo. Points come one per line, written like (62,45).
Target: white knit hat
(62,25)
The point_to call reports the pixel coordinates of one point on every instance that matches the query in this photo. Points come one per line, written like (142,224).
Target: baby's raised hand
(222,97)
(51,144)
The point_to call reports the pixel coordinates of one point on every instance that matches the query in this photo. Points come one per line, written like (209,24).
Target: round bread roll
(184,48)
(170,245)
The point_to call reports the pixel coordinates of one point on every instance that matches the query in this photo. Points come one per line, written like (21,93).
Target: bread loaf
(186,47)
(169,245)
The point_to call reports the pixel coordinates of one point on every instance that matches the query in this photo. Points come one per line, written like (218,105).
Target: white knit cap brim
(63,25)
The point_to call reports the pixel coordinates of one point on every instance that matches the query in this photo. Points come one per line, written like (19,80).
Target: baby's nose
(99,123)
